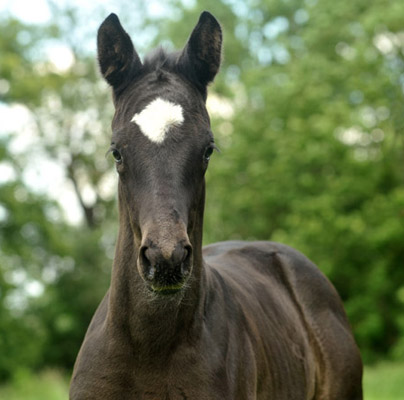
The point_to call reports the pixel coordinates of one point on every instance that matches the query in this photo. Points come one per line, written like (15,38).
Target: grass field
(49,385)
(384,381)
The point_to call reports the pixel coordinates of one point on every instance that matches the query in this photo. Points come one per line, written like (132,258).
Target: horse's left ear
(117,56)
(200,59)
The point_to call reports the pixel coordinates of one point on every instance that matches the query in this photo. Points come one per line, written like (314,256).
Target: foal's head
(161,143)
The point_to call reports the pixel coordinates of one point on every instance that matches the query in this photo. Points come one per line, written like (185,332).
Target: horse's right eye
(117,156)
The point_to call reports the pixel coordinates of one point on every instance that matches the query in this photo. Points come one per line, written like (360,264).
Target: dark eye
(117,156)
(208,153)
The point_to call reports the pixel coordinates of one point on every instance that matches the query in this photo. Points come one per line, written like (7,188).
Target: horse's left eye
(208,153)
(117,156)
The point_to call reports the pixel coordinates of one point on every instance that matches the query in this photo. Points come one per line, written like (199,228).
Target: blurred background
(308,112)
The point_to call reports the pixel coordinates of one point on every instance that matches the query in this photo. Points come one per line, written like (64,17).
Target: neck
(152,321)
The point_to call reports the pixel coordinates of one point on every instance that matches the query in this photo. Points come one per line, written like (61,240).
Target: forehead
(158,104)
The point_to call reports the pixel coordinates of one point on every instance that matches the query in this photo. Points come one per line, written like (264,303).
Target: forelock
(159,60)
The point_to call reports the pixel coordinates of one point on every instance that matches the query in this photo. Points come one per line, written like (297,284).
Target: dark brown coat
(234,321)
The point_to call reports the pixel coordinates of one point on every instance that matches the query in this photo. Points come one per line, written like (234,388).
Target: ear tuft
(117,56)
(201,57)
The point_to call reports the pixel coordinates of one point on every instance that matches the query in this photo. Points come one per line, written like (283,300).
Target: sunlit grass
(49,385)
(384,381)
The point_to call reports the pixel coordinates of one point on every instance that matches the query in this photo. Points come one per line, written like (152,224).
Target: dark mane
(160,59)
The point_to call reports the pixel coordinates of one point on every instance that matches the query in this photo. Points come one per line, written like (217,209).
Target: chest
(132,383)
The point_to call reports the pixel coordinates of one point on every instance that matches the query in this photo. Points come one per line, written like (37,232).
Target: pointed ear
(117,56)
(200,59)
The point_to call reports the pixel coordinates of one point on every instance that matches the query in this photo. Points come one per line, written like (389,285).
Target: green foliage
(18,43)
(52,274)
(39,250)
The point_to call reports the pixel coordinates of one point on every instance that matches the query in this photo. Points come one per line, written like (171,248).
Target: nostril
(186,261)
(159,270)
(187,254)
(149,271)
(143,256)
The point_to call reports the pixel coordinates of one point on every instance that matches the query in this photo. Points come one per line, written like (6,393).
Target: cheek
(128,203)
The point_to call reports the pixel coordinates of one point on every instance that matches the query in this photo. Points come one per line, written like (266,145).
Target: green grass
(48,385)
(384,381)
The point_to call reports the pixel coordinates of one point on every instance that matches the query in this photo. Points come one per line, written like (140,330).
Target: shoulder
(258,252)
(279,263)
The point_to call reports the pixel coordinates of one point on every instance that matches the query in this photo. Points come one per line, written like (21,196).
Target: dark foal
(235,320)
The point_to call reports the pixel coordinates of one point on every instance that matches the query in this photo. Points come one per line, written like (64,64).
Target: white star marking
(157,118)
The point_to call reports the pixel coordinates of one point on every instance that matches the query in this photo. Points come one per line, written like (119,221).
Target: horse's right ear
(117,56)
